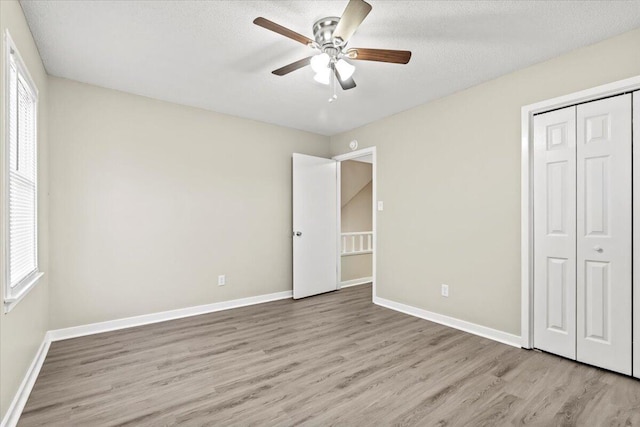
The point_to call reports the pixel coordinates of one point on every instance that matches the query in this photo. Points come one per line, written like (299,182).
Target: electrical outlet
(444,290)
(222,280)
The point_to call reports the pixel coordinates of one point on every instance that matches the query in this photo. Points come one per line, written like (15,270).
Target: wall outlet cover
(444,290)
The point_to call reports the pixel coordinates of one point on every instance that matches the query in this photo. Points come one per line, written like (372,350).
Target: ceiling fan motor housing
(323,33)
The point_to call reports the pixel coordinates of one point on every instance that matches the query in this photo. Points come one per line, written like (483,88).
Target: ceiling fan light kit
(323,76)
(331,35)
(320,62)
(344,69)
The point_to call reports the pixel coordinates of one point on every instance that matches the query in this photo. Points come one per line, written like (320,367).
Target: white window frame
(13,295)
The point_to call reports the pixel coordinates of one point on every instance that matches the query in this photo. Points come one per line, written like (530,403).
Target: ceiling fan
(331,36)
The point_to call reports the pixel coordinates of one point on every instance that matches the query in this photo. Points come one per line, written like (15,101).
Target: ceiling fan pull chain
(334,96)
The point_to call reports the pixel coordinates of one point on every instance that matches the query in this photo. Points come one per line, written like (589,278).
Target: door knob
(598,249)
(297,233)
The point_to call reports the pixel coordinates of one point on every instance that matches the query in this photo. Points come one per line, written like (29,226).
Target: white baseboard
(130,322)
(472,328)
(24,390)
(356,282)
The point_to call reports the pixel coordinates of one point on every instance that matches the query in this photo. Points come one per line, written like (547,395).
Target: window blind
(22,178)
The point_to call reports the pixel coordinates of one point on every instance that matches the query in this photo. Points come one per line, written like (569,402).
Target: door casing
(636,233)
(370,151)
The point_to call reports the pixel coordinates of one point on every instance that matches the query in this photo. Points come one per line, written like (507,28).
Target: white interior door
(315,225)
(554,235)
(636,234)
(604,239)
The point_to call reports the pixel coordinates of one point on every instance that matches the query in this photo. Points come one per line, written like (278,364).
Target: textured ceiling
(208,54)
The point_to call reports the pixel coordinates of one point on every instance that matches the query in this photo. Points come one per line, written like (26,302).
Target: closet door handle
(598,249)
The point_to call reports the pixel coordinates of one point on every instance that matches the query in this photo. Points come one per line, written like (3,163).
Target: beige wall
(356,214)
(354,176)
(22,330)
(151,201)
(356,267)
(449,176)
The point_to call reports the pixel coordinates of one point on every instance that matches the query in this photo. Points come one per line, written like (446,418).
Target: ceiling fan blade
(292,67)
(380,55)
(269,25)
(346,84)
(351,19)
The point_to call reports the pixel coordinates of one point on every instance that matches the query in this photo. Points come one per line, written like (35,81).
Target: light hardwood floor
(334,359)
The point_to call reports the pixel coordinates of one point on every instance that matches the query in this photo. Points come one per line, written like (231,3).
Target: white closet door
(604,233)
(636,234)
(555,232)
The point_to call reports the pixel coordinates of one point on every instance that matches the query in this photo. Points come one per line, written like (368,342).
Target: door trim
(526,181)
(374,201)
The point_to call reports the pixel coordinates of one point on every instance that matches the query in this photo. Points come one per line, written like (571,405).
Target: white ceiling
(209,54)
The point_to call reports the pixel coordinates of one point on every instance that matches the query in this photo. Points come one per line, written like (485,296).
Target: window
(21,231)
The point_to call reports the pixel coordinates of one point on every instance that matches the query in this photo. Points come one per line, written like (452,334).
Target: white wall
(449,176)
(22,330)
(151,201)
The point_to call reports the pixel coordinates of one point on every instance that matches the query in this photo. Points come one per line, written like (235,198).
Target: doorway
(357,207)
(318,241)
(356,222)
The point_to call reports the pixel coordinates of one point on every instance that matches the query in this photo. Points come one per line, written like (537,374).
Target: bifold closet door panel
(604,239)
(636,234)
(554,232)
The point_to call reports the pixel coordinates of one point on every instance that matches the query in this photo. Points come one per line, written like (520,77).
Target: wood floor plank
(334,359)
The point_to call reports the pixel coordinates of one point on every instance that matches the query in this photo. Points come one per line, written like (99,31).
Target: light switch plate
(444,290)
(380,205)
